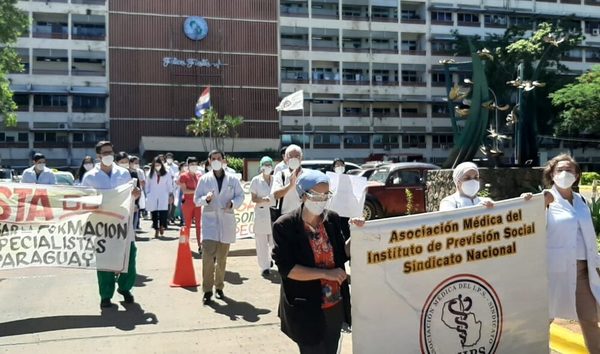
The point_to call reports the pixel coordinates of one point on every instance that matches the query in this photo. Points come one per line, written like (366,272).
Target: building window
(356,140)
(409,45)
(442,47)
(495,20)
(444,141)
(410,15)
(413,141)
(386,141)
(409,76)
(326,141)
(521,21)
(287,139)
(23,137)
(50,103)
(439,110)
(22,101)
(468,18)
(88,137)
(438,78)
(90,104)
(441,16)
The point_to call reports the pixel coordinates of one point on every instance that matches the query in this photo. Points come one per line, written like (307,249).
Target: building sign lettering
(191,62)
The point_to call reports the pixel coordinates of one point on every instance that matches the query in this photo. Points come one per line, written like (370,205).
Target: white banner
(292,102)
(472,280)
(62,226)
(244,215)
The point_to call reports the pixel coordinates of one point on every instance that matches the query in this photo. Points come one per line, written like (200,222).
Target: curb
(565,341)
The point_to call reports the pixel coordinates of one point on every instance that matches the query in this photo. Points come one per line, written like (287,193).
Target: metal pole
(303,133)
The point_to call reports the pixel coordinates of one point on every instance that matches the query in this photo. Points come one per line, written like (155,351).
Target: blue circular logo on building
(195,28)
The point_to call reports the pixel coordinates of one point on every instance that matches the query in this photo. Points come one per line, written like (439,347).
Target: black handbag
(276,210)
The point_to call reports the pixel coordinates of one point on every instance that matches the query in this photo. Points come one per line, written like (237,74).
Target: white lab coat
(218,223)
(457,201)
(262,213)
(563,220)
(157,192)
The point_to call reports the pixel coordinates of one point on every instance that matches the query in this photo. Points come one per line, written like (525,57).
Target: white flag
(292,102)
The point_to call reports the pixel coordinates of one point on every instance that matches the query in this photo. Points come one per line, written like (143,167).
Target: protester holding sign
(466,180)
(38,173)
(284,182)
(219,193)
(107,175)
(310,254)
(573,258)
(159,191)
(188,182)
(260,188)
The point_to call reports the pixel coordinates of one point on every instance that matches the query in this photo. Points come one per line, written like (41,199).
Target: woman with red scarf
(188,181)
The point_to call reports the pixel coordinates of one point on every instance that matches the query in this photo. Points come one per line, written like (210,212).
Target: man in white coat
(219,194)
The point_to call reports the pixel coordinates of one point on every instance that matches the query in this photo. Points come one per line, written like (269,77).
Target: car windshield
(380,175)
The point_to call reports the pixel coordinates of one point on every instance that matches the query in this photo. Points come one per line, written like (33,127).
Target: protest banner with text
(64,226)
(467,281)
(244,215)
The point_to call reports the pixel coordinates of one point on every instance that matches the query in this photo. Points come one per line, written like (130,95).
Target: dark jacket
(302,318)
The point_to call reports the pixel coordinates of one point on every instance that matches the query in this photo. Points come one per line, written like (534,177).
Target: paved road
(57,310)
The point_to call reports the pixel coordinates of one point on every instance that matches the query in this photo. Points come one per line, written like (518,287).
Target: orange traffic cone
(184,267)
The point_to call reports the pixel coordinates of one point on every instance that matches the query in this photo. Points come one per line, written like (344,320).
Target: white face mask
(315,208)
(267,170)
(564,179)
(136,166)
(293,163)
(40,166)
(108,160)
(88,166)
(216,165)
(157,168)
(169,161)
(470,188)
(193,168)
(340,170)
(124,165)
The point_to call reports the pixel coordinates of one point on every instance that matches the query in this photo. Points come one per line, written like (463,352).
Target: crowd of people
(310,243)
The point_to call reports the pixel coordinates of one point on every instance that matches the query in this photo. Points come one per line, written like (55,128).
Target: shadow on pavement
(141,280)
(238,310)
(142,239)
(126,320)
(234,278)
(163,238)
(242,253)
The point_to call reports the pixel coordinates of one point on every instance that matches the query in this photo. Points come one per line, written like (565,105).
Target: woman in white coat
(159,188)
(466,180)
(573,261)
(260,189)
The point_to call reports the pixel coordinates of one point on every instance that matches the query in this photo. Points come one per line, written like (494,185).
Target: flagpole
(303,134)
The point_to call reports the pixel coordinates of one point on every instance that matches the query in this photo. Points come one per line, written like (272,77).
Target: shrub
(588,177)
(236,163)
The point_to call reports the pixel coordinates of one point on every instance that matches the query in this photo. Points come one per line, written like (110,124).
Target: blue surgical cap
(308,179)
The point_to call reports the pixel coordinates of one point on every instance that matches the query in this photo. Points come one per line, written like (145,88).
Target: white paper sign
(348,194)
(472,280)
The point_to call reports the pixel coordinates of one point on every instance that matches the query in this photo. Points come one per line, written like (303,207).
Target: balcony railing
(289,12)
(469,24)
(87,34)
(356,82)
(294,46)
(385,83)
(355,17)
(386,114)
(89,109)
(355,114)
(50,71)
(355,50)
(592,2)
(414,83)
(325,13)
(325,82)
(438,84)
(325,47)
(89,2)
(384,145)
(594,59)
(78,72)
(414,115)
(326,114)
(295,78)
(440,115)
(442,23)
(384,50)
(415,21)
(40,33)
(50,108)
(442,52)
(413,52)
(384,19)
(571,58)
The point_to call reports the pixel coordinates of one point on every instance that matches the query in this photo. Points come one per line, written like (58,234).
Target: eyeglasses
(319,197)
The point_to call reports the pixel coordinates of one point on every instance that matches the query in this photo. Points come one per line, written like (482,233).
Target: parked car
(7,175)
(325,165)
(363,172)
(64,178)
(397,189)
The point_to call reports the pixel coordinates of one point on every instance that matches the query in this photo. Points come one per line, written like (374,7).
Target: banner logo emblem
(463,310)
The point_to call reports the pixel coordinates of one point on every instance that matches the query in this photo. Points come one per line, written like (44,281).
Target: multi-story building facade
(62,94)
(370,68)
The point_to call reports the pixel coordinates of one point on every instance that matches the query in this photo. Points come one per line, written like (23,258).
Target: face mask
(169,161)
(340,170)
(136,166)
(157,168)
(267,170)
(564,179)
(108,160)
(88,166)
(470,188)
(216,165)
(40,166)
(315,208)
(193,168)
(293,163)
(124,165)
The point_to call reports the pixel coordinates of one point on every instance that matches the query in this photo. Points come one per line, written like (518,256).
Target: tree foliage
(13,22)
(214,129)
(579,104)
(540,52)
